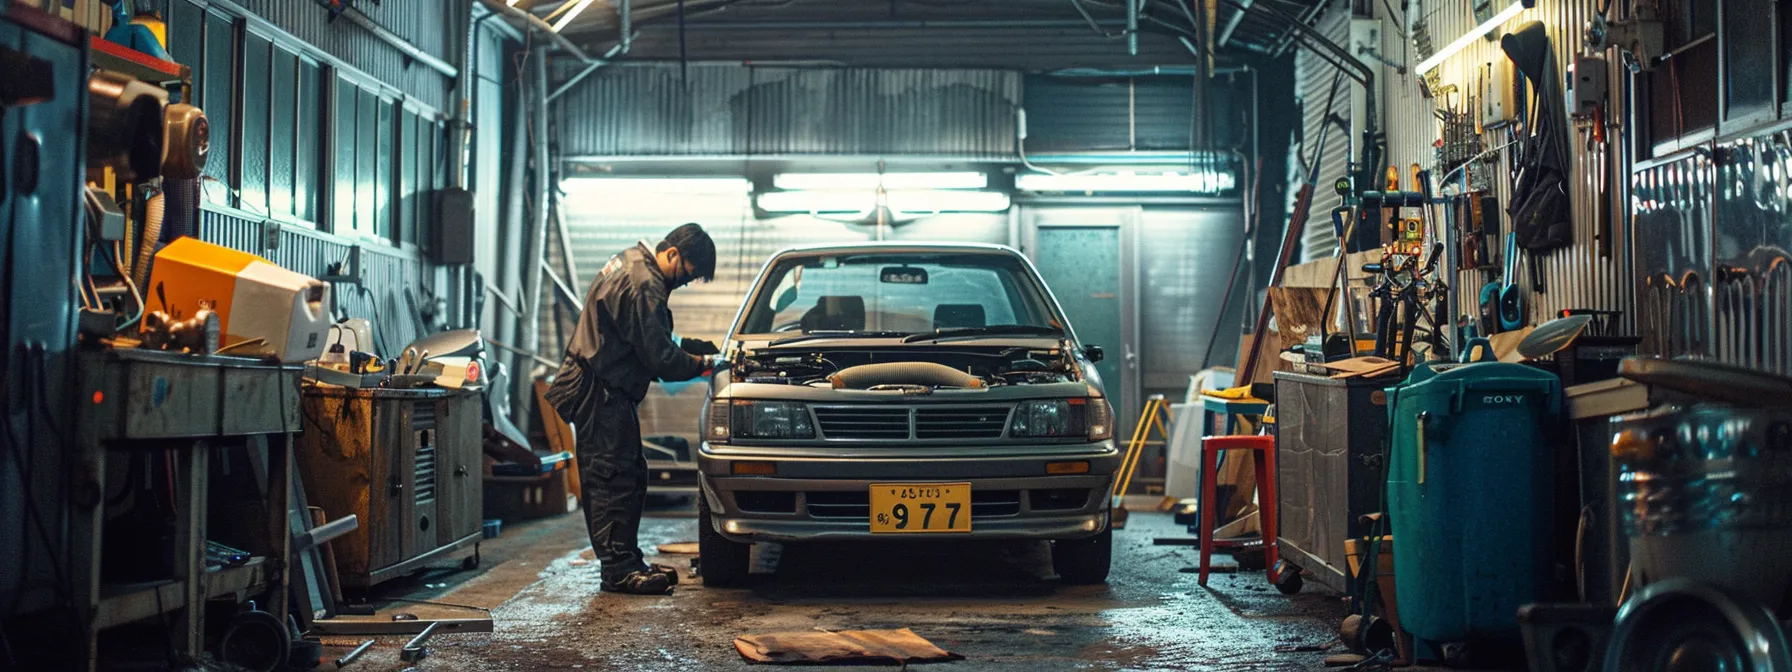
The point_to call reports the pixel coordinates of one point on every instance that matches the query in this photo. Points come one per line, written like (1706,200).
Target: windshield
(897,294)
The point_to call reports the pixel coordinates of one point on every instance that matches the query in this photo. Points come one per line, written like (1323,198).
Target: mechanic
(624,341)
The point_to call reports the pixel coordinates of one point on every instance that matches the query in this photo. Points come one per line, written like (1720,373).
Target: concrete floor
(992,603)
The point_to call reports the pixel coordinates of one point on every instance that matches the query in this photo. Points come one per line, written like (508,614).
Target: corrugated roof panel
(722,109)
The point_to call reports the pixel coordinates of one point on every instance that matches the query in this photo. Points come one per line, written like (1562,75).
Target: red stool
(1265,449)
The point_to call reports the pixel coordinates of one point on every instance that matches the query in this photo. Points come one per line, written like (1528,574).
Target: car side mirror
(1094,353)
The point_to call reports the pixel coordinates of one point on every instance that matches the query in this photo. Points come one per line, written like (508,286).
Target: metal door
(1083,254)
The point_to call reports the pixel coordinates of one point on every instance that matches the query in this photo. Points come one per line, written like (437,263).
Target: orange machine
(255,299)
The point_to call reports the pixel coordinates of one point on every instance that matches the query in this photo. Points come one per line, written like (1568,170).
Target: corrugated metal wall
(388,276)
(427,30)
(1317,80)
(1183,266)
(1574,277)
(1122,113)
(726,109)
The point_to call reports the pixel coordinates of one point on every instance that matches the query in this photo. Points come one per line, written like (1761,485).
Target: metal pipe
(1232,23)
(590,67)
(355,16)
(1132,27)
(533,260)
(1287,38)
(626,25)
(510,252)
(535,23)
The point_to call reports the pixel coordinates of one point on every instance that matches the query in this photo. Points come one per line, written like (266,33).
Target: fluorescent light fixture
(570,15)
(859,202)
(1203,182)
(631,194)
(892,181)
(708,186)
(1468,38)
(817,202)
(939,200)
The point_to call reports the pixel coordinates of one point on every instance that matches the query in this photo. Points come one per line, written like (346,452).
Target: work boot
(670,572)
(650,582)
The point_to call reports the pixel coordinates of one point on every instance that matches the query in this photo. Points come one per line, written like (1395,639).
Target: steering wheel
(788,326)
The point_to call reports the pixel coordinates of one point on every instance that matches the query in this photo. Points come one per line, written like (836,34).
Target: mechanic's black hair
(693,244)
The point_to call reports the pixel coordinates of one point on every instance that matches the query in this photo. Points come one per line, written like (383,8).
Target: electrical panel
(451,240)
(1502,94)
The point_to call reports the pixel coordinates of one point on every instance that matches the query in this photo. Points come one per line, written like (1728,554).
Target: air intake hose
(866,376)
(155,213)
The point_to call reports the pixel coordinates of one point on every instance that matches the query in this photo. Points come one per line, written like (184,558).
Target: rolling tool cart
(408,464)
(1329,435)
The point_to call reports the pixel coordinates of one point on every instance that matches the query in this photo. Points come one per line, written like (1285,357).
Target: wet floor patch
(997,604)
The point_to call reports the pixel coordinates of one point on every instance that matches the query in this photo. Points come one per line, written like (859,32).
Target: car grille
(978,422)
(926,423)
(863,423)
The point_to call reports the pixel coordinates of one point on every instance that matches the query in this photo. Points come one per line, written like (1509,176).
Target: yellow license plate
(898,508)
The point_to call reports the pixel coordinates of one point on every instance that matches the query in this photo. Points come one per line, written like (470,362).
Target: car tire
(723,563)
(1084,561)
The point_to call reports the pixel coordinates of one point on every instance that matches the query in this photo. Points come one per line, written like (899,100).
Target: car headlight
(770,420)
(1062,418)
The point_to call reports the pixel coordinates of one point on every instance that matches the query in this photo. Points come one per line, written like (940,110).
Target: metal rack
(190,405)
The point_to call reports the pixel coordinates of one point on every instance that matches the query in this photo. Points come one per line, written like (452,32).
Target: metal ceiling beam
(1304,21)
(1232,23)
(535,23)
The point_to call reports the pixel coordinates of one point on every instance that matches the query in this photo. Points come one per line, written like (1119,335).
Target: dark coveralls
(622,343)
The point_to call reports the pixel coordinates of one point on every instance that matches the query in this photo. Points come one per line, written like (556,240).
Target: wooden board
(1299,313)
(560,434)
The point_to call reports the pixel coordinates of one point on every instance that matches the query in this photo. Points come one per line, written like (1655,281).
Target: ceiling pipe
(590,67)
(1232,23)
(533,22)
(1132,27)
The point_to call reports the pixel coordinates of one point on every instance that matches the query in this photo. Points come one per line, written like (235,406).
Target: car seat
(836,313)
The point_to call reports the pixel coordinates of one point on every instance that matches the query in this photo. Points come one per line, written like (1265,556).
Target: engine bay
(871,368)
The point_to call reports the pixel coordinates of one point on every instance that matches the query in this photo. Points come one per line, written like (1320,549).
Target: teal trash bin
(1470,495)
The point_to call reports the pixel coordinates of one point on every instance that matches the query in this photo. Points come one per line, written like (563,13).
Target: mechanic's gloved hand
(712,364)
(698,347)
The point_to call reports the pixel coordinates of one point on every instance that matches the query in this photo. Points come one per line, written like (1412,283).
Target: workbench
(190,406)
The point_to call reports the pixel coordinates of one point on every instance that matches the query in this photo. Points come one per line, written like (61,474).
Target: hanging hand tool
(1511,298)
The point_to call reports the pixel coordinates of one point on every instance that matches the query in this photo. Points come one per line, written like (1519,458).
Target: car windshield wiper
(821,334)
(1000,329)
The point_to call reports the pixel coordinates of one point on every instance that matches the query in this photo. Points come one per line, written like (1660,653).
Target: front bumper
(816,496)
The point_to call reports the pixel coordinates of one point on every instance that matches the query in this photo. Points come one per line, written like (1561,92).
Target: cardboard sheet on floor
(846,646)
